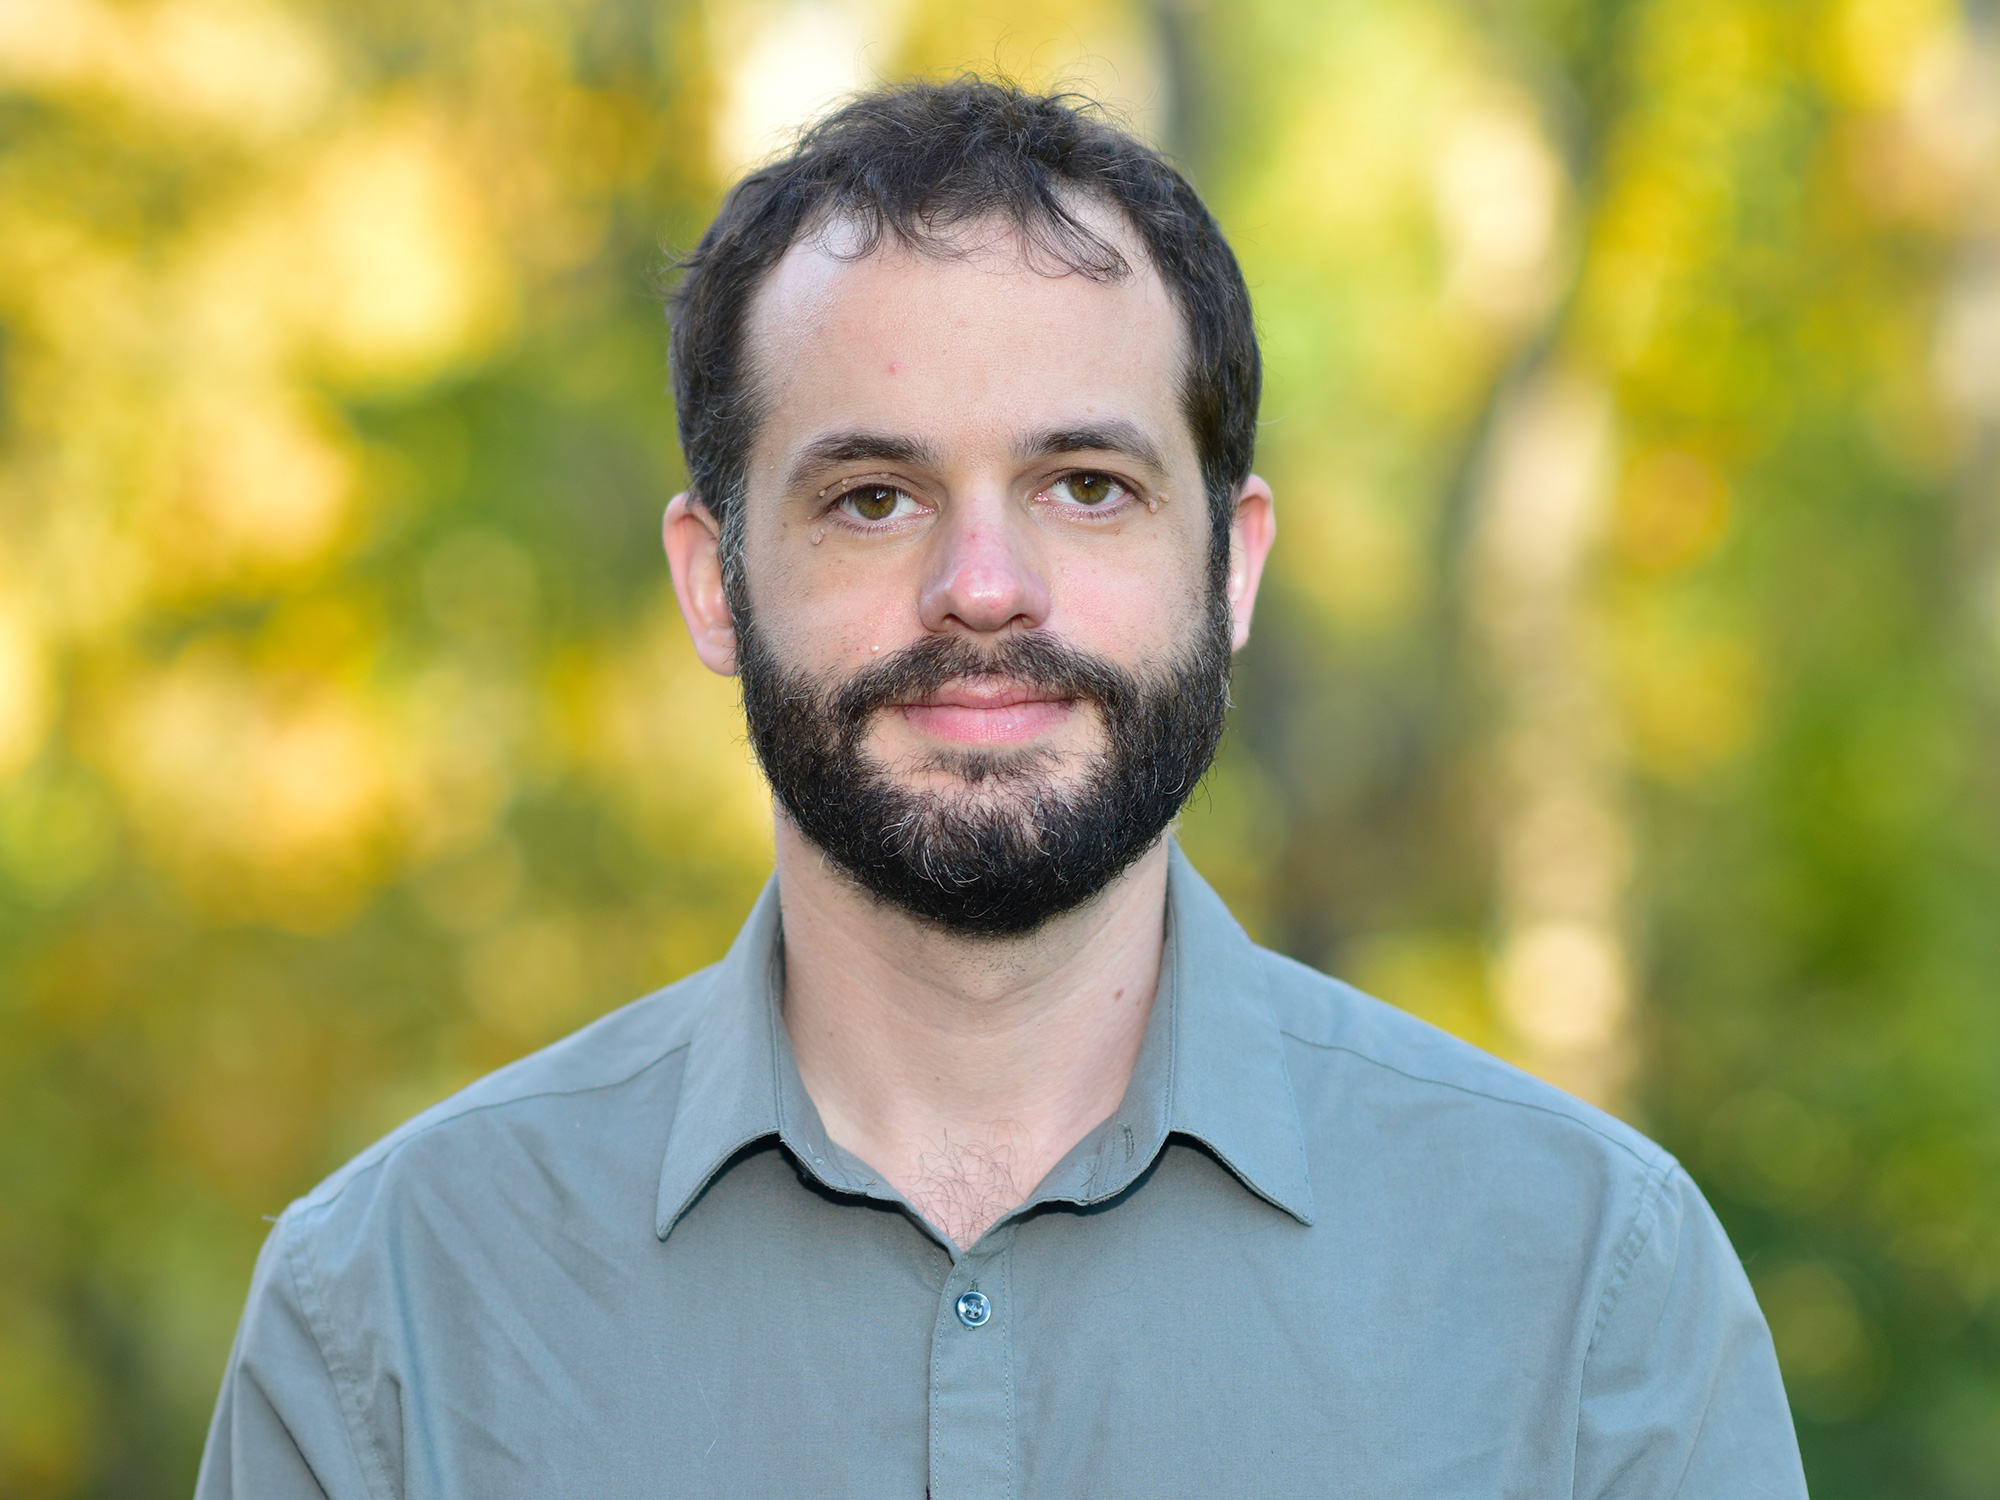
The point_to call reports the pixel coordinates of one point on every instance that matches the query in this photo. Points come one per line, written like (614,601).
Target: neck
(963,1069)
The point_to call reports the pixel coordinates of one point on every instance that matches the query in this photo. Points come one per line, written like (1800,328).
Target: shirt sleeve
(1681,1392)
(279,1431)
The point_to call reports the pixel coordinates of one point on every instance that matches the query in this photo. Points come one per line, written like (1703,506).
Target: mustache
(988,867)
(1033,659)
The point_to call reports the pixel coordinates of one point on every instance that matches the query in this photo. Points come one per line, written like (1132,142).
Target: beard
(1008,844)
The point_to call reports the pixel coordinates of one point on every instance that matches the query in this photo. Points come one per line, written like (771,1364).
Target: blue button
(974,1309)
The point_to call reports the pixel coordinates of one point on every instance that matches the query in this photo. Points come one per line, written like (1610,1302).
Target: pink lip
(984,713)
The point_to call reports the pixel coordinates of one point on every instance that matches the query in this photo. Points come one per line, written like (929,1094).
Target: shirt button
(974,1309)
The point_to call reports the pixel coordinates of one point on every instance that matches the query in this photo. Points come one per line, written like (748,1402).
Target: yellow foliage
(266,798)
(386,256)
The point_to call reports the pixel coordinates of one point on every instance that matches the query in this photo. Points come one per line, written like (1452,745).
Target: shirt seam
(1645,1222)
(1011,1442)
(931,1393)
(305,1283)
(1661,1159)
(311,1203)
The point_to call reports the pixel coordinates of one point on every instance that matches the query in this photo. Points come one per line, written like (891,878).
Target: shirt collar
(1230,1088)
(1211,1068)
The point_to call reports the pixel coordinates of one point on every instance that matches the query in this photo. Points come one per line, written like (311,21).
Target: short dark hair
(921,160)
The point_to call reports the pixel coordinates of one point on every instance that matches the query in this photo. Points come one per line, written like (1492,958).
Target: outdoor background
(1626,696)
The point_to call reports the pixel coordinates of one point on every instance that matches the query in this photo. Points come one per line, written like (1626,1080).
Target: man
(994,1160)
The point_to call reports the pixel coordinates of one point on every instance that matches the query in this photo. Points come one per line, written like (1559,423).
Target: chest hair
(963,1186)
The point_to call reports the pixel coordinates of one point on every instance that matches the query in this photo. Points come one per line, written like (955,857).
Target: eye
(877,502)
(1092,491)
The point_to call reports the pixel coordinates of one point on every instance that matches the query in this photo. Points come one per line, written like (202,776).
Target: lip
(986,695)
(986,713)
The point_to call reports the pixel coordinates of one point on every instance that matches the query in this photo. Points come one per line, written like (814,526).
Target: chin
(944,770)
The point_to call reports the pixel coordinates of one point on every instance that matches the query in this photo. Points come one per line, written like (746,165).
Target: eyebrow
(1114,436)
(854,447)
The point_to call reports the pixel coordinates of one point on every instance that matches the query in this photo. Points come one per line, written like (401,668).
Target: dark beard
(1006,862)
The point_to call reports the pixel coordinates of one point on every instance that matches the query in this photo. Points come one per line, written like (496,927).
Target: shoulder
(416,1253)
(1538,1221)
(1350,1052)
(540,1103)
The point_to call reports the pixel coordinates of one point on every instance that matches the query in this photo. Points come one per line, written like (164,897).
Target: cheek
(825,610)
(1131,602)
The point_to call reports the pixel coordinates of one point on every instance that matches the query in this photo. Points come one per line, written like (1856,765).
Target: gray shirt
(1321,1249)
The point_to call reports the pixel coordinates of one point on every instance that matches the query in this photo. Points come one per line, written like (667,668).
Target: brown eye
(872,502)
(1091,489)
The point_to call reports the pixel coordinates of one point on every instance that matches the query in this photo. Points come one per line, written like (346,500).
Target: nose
(985,572)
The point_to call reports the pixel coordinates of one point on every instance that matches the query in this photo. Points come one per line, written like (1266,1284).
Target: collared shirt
(1320,1249)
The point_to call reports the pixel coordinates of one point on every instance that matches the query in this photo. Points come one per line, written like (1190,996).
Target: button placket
(972,1381)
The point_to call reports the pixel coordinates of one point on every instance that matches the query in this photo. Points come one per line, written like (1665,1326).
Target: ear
(694,555)
(1251,531)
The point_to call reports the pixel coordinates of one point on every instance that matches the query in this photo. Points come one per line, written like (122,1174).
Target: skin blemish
(819,536)
(895,367)
(1152,505)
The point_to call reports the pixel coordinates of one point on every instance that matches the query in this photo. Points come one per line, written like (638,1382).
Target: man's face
(983,660)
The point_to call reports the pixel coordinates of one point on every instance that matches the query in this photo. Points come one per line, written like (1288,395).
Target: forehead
(985,338)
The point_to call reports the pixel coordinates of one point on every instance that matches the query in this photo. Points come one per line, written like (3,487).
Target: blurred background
(1626,697)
